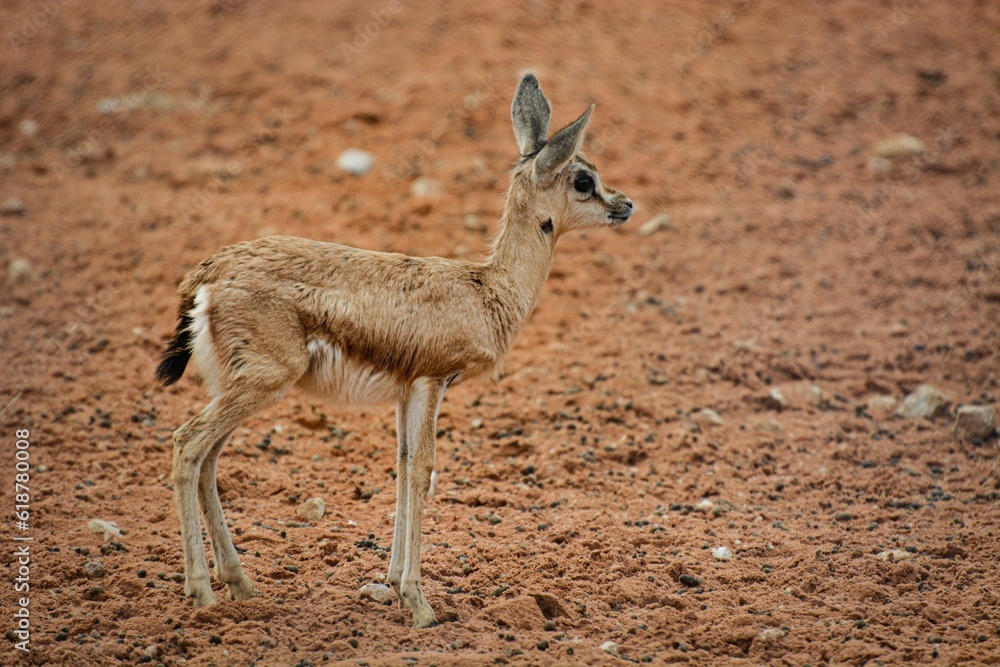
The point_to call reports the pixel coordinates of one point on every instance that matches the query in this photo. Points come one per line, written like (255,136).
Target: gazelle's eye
(584,184)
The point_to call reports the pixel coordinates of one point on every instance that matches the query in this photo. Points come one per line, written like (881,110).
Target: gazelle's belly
(342,379)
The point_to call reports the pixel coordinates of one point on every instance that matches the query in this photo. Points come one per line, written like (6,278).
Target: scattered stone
(842,516)
(474,224)
(975,422)
(660,221)
(879,165)
(704,506)
(19,269)
(772,634)
(882,403)
(153,651)
(378,593)
(94,569)
(355,161)
(312,509)
(768,426)
(28,127)
(13,207)
(426,187)
(476,423)
(899,146)
(610,648)
(795,395)
(689,580)
(895,555)
(925,402)
(707,417)
(109,528)
(722,553)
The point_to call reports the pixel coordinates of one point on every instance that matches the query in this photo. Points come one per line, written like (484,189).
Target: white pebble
(378,593)
(426,187)
(355,161)
(654,224)
(610,647)
(722,553)
(704,505)
(19,269)
(109,528)
(312,509)
(29,128)
(900,145)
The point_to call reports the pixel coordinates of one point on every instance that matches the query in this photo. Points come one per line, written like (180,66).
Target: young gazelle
(264,316)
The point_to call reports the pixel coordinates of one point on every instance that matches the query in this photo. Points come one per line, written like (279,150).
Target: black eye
(584,184)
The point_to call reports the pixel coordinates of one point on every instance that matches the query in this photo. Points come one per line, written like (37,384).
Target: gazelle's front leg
(398,556)
(420,424)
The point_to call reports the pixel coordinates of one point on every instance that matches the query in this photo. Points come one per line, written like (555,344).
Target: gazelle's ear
(530,113)
(563,146)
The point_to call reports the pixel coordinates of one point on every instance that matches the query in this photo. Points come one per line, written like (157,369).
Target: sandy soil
(138,139)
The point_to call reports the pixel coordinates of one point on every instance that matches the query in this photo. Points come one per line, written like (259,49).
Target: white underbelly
(336,376)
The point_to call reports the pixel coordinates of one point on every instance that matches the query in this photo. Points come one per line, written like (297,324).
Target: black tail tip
(175,357)
(172,366)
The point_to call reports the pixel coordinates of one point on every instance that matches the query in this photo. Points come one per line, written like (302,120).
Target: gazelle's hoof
(242,589)
(424,617)
(201,594)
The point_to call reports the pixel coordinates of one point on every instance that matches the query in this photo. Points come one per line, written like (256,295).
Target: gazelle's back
(382,312)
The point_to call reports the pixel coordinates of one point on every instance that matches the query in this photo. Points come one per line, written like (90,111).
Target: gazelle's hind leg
(193,444)
(227,561)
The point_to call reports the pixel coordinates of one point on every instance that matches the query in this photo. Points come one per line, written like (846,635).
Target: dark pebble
(689,581)
(215,639)
(543,644)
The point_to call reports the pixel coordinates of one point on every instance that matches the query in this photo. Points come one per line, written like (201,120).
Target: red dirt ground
(141,138)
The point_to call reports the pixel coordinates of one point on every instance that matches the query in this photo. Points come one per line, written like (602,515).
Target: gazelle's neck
(521,257)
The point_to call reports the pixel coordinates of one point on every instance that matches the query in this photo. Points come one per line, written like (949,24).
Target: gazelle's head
(569,192)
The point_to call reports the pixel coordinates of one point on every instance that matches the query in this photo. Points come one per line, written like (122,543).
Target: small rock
(794,395)
(772,634)
(925,402)
(153,651)
(879,165)
(722,553)
(707,417)
(882,403)
(768,426)
(610,648)
(895,555)
(474,224)
(476,423)
(426,187)
(356,161)
(19,269)
(705,506)
(109,528)
(660,221)
(378,593)
(975,422)
(12,207)
(689,580)
(28,127)
(899,146)
(94,569)
(312,509)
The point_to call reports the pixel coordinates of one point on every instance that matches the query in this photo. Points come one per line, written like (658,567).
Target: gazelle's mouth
(618,220)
